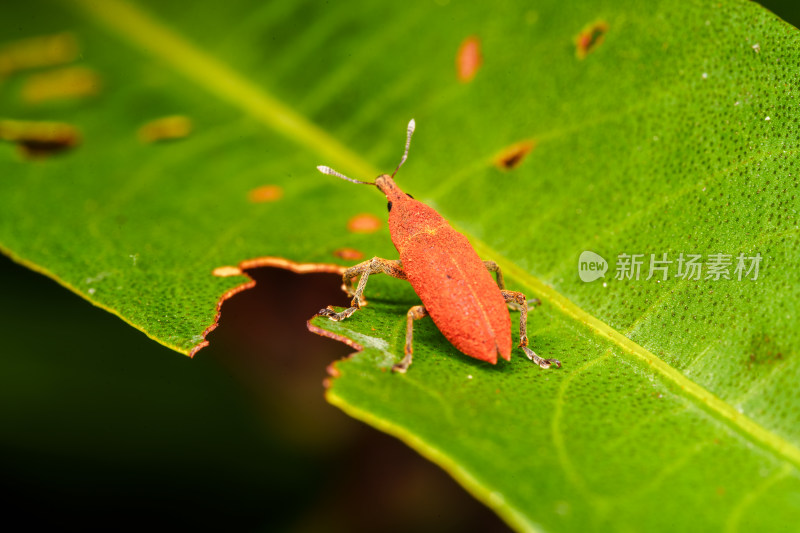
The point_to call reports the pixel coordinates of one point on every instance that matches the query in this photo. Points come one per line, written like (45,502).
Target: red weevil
(454,284)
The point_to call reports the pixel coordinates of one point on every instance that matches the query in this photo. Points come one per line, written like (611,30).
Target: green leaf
(676,408)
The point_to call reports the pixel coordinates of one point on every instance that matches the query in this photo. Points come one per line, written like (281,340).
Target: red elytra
(449,277)
(454,284)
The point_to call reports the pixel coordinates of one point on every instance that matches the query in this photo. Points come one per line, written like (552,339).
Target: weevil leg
(491,266)
(519,299)
(415,313)
(376,265)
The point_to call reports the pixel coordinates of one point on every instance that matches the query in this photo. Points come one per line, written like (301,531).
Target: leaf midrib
(158,40)
(150,35)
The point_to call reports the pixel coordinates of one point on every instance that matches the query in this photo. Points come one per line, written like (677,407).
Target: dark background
(102,428)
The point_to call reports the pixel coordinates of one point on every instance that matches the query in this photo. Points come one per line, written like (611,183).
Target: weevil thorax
(407,216)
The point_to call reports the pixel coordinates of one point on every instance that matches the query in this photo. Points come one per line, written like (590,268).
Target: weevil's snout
(383,182)
(387,186)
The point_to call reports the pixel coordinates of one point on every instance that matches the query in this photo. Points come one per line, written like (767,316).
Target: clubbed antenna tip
(409,132)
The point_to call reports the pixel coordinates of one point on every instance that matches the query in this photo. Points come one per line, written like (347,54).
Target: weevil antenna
(409,133)
(331,172)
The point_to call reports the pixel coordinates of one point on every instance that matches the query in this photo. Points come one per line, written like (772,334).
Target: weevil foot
(400,367)
(358,302)
(333,315)
(550,362)
(404,363)
(534,302)
(543,363)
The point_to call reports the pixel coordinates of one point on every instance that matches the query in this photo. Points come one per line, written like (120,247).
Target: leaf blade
(626,64)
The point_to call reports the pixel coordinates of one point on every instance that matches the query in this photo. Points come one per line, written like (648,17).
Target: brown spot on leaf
(63,83)
(39,139)
(364,223)
(37,52)
(267,193)
(513,156)
(468,59)
(227,271)
(590,38)
(348,254)
(165,129)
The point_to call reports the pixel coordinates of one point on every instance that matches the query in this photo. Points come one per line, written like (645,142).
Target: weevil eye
(409,196)
(389,206)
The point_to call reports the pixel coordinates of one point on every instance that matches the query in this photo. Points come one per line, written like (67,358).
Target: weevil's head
(387,186)
(407,217)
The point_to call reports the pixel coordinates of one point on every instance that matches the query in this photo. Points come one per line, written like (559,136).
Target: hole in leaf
(39,139)
(37,52)
(511,157)
(165,129)
(63,83)
(263,343)
(226,271)
(590,38)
